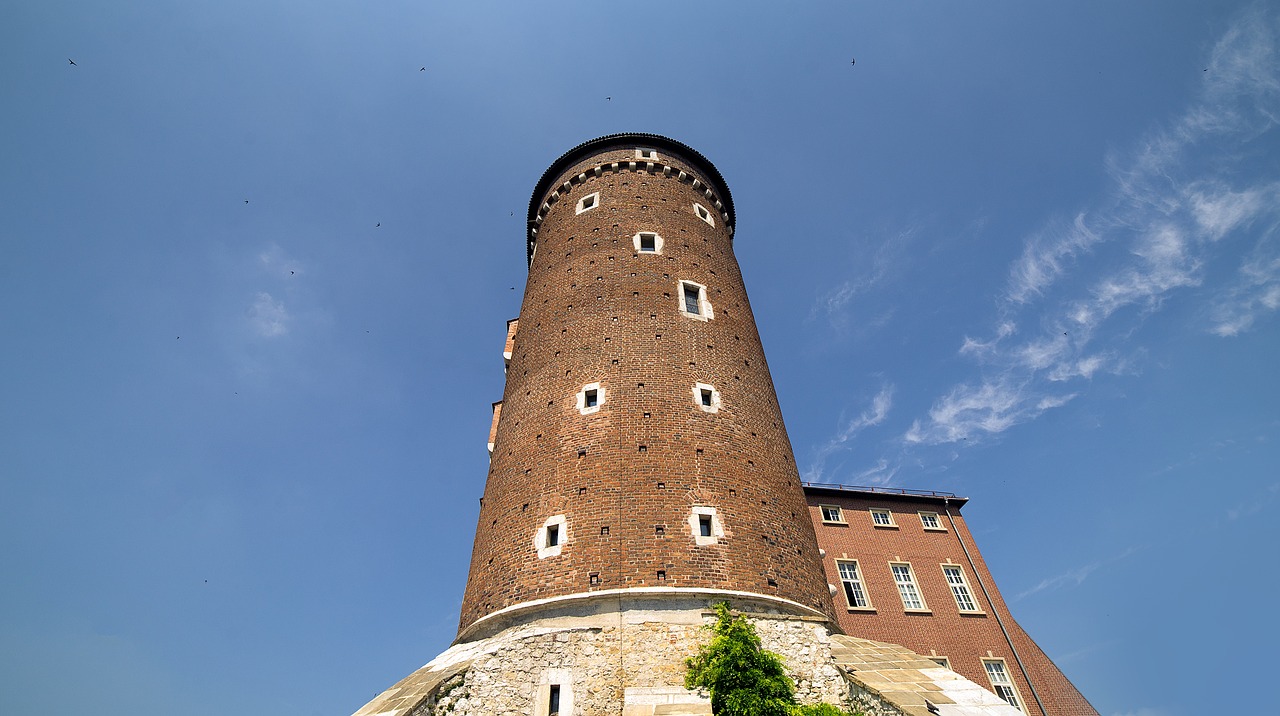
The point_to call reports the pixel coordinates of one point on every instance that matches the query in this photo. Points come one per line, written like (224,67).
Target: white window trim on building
(540,537)
(1001,682)
(593,197)
(887,514)
(937,523)
(908,587)
(851,581)
(717,529)
(838,519)
(715,398)
(657,242)
(582,399)
(960,589)
(703,213)
(704,306)
(542,697)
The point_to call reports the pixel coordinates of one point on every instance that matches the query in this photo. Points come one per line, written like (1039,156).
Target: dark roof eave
(931,497)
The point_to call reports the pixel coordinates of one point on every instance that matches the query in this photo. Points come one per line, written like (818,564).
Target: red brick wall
(595,310)
(965,639)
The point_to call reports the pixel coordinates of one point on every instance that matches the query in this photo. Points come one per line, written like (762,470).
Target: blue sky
(257,267)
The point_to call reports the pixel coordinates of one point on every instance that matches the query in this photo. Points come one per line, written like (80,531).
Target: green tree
(743,678)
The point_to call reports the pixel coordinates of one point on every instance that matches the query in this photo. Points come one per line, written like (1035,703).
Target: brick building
(640,472)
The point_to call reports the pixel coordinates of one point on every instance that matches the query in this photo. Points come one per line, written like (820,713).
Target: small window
(959,588)
(703,214)
(851,580)
(553,700)
(553,535)
(706,397)
(942,661)
(705,525)
(647,242)
(1001,682)
(832,513)
(931,522)
(691,300)
(588,202)
(549,539)
(882,518)
(590,398)
(646,154)
(912,600)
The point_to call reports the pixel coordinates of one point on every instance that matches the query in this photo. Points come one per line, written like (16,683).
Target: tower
(640,448)
(640,472)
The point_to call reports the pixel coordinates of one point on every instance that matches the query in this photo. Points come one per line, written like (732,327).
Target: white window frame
(698,389)
(582,398)
(856,584)
(1001,681)
(704,305)
(593,197)
(908,588)
(960,590)
(542,697)
(839,518)
(649,155)
(888,514)
(695,527)
(704,213)
(657,242)
(540,537)
(937,521)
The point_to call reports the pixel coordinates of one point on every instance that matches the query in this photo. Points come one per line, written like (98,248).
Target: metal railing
(878,490)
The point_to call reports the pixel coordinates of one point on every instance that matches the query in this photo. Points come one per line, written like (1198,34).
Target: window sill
(918,611)
(885,527)
(867,610)
(972,613)
(935,529)
(840,523)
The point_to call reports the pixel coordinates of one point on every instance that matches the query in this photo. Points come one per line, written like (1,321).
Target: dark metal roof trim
(623,139)
(893,492)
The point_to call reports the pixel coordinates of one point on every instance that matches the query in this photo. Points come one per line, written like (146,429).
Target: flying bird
(377,224)
(852,62)
(422,69)
(290,273)
(72,61)
(607,99)
(246,201)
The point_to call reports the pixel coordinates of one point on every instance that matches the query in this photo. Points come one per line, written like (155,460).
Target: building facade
(640,472)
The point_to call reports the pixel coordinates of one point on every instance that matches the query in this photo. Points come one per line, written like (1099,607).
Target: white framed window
(647,242)
(959,588)
(706,397)
(549,539)
(832,514)
(590,398)
(1001,683)
(588,202)
(693,301)
(882,518)
(931,522)
(912,600)
(705,525)
(649,154)
(851,579)
(703,214)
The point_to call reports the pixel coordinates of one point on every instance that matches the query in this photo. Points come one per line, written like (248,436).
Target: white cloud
(1256,291)
(883,264)
(872,416)
(1047,256)
(268,317)
(1074,577)
(975,411)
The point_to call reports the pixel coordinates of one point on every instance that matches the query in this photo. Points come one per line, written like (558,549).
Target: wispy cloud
(1173,199)
(835,303)
(1073,577)
(873,415)
(268,316)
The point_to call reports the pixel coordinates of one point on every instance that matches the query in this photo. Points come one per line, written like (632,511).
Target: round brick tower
(640,449)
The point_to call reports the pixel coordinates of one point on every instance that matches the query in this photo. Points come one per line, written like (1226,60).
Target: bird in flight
(607,99)
(72,61)
(377,224)
(246,201)
(290,273)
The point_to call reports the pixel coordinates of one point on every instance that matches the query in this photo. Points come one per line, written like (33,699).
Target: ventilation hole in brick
(749,462)
(737,378)
(653,315)
(524,507)
(604,530)
(529,470)
(659,530)
(582,490)
(698,451)
(607,339)
(582,452)
(662,485)
(747,363)
(614,361)
(666,295)
(646,415)
(736,338)
(639,385)
(657,335)
(595,578)
(733,492)
(491,560)
(495,523)
(772,582)
(644,449)
(666,275)
(662,575)
(635,294)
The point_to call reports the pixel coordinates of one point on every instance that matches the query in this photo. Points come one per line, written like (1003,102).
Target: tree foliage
(743,678)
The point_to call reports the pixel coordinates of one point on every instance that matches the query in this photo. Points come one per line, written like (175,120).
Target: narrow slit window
(704,525)
(591,398)
(704,394)
(553,535)
(553,700)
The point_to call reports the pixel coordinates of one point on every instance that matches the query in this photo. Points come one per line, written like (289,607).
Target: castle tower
(640,448)
(640,473)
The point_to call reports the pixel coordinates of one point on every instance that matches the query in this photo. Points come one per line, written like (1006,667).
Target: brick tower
(640,447)
(640,473)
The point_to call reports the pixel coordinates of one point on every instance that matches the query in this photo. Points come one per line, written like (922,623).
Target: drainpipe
(946,506)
